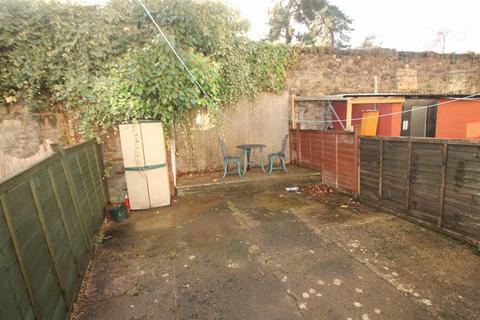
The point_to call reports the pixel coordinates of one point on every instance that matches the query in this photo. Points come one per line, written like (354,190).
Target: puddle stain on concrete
(274,201)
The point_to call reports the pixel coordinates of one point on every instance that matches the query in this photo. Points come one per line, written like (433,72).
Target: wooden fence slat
(380,173)
(409,175)
(76,204)
(323,158)
(97,197)
(299,149)
(81,178)
(442,187)
(336,161)
(310,148)
(100,173)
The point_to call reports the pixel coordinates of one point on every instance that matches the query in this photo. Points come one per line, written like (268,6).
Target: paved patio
(277,255)
(254,180)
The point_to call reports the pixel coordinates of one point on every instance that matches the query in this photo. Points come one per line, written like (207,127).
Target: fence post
(310,148)
(442,186)
(356,157)
(290,143)
(380,172)
(299,149)
(336,161)
(409,174)
(323,158)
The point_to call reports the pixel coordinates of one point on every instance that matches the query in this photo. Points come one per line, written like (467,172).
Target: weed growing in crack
(231,206)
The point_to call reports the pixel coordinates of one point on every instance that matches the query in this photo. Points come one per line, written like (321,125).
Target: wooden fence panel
(15,302)
(329,171)
(431,181)
(88,175)
(33,252)
(395,174)
(55,234)
(46,232)
(334,153)
(369,170)
(73,219)
(316,151)
(305,142)
(345,164)
(80,193)
(462,190)
(425,181)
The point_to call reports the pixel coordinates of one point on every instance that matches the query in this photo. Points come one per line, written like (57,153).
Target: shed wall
(458,119)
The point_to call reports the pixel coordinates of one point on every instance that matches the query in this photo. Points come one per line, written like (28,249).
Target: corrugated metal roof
(413,94)
(334,97)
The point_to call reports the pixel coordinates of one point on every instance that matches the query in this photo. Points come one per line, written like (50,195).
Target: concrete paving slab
(277,255)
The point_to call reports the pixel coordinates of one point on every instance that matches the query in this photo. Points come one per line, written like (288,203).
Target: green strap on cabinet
(153,166)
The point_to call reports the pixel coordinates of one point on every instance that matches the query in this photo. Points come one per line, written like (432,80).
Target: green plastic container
(119,212)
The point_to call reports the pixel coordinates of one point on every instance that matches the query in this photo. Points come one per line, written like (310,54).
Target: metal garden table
(247,148)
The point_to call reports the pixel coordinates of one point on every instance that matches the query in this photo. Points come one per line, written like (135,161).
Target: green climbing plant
(109,65)
(149,83)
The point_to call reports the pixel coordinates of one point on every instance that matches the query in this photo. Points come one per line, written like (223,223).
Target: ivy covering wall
(109,65)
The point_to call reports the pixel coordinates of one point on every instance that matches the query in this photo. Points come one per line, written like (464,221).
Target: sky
(406,25)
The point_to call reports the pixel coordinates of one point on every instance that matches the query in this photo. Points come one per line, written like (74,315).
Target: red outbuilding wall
(340,108)
(387,126)
(458,119)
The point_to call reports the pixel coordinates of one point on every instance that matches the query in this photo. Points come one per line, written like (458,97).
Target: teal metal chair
(227,159)
(280,156)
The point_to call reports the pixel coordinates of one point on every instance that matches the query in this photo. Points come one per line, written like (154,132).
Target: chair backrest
(224,148)
(284,143)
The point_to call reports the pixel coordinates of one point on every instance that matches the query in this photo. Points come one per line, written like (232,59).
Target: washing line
(387,114)
(177,55)
(305,121)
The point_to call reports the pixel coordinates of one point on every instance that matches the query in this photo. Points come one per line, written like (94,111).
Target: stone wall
(328,71)
(20,132)
(25,137)
(321,71)
(314,111)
